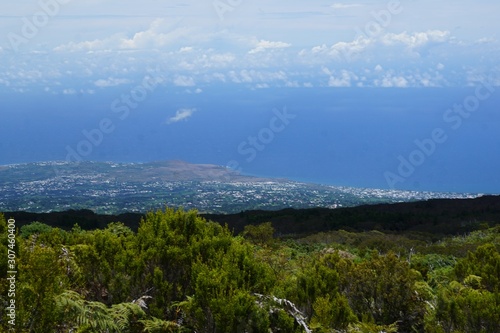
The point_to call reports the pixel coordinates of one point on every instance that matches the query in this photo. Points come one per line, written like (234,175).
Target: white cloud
(219,76)
(255,57)
(181,114)
(234,77)
(400,82)
(319,49)
(97,44)
(389,81)
(159,34)
(184,81)
(246,76)
(263,45)
(345,6)
(255,76)
(206,59)
(326,71)
(220,60)
(382,46)
(342,80)
(485,40)
(111,82)
(417,39)
(348,51)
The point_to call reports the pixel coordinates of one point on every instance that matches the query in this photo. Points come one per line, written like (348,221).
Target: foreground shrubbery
(181,273)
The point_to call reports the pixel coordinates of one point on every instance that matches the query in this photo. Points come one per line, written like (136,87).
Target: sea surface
(361,137)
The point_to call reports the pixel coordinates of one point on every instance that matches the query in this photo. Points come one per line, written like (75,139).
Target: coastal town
(110,188)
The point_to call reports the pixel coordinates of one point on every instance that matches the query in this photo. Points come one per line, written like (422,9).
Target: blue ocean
(414,139)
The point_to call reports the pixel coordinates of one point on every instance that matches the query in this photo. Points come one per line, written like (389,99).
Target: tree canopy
(182,273)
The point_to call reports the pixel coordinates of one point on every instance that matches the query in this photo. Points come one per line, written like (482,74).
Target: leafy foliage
(34,228)
(181,273)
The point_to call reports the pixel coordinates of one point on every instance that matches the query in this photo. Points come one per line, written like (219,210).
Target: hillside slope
(436,216)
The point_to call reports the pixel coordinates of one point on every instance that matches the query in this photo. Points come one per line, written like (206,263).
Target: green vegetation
(182,273)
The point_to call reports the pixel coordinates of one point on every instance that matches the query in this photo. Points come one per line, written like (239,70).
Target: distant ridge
(172,170)
(177,170)
(437,217)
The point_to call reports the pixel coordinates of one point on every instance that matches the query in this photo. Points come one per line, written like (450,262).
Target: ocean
(427,139)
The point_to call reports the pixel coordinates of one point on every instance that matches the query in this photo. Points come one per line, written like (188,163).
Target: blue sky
(84,47)
(150,72)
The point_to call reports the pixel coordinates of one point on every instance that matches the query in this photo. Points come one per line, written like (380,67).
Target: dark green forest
(179,272)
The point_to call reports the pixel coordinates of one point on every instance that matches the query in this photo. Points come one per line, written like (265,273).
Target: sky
(69,67)
(84,47)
